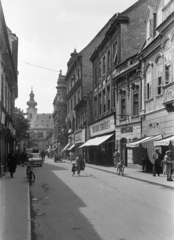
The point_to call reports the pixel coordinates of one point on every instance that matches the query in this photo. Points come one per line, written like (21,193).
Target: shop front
(125,134)
(101,145)
(79,139)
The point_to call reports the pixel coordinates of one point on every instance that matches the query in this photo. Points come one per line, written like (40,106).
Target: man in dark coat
(11,159)
(157,162)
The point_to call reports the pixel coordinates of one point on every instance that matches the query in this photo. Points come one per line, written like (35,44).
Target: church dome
(31,102)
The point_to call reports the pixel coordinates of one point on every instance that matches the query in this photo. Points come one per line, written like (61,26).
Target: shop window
(135,104)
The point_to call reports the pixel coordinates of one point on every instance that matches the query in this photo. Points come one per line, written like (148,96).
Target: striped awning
(149,145)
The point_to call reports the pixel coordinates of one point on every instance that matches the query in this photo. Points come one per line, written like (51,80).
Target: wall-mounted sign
(126,129)
(101,127)
(80,136)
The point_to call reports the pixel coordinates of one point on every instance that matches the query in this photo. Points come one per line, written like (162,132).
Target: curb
(125,175)
(135,178)
(28,215)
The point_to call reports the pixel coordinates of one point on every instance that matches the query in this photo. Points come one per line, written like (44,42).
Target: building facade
(59,115)
(114,69)
(40,125)
(8,89)
(79,83)
(157,67)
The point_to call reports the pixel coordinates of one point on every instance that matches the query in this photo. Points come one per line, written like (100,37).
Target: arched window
(148,85)
(159,75)
(167,62)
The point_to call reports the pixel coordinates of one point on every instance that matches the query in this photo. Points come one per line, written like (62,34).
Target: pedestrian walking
(74,168)
(169,163)
(11,160)
(157,162)
(116,157)
(78,164)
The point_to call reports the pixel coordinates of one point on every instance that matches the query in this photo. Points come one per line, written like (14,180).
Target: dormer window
(149,29)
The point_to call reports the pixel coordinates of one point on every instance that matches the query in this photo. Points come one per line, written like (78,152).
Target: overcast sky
(48,32)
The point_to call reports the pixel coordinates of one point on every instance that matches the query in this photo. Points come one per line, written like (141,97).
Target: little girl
(74,168)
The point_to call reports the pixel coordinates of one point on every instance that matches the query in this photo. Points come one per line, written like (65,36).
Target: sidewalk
(15,206)
(136,174)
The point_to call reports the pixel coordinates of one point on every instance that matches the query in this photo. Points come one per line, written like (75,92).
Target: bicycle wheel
(31,178)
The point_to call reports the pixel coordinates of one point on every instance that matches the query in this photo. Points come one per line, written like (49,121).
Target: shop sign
(169,94)
(80,136)
(101,127)
(127,129)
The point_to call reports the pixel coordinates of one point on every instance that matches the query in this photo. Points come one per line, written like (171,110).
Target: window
(115,53)
(74,100)
(95,75)
(100,104)
(79,97)
(148,83)
(159,75)
(108,98)
(123,108)
(71,104)
(149,28)
(159,14)
(104,65)
(168,67)
(109,61)
(100,69)
(95,106)
(104,101)
(135,105)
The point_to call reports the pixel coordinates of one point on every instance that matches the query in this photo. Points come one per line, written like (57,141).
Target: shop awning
(65,148)
(149,145)
(53,149)
(71,147)
(164,142)
(137,143)
(48,150)
(96,141)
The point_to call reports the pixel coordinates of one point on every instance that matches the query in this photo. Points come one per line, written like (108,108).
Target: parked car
(35,159)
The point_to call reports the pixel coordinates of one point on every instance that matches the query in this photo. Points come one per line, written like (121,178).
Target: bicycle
(30,174)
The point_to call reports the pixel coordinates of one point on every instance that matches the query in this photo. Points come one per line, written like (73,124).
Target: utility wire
(39,66)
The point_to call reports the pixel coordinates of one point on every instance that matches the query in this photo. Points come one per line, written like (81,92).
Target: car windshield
(35,155)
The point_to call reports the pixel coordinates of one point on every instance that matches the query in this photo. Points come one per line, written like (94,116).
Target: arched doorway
(123,150)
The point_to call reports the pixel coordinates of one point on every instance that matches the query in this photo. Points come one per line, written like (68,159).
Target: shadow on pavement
(56,209)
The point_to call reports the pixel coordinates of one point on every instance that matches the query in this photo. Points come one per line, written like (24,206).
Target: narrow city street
(98,205)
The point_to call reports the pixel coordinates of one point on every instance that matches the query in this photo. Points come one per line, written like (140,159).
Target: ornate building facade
(40,125)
